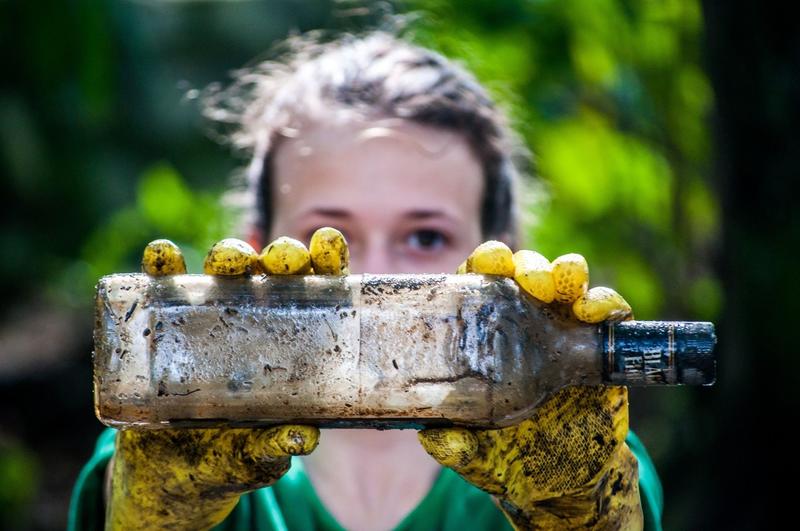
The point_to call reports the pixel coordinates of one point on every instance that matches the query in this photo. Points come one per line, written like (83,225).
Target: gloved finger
(491,258)
(253,457)
(162,257)
(219,448)
(288,440)
(451,447)
(601,304)
(329,252)
(231,257)
(234,456)
(571,277)
(285,256)
(482,457)
(534,273)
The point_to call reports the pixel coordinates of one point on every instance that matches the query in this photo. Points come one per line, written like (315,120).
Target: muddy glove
(568,465)
(192,478)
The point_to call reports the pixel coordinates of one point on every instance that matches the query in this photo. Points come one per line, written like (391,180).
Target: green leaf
(164,200)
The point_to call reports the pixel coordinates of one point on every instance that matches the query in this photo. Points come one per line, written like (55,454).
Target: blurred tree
(612,98)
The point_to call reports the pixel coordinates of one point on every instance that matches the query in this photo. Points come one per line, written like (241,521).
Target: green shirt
(452,504)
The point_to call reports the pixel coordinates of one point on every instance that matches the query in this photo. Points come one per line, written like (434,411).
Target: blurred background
(665,148)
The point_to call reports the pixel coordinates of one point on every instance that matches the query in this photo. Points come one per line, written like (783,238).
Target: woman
(406,155)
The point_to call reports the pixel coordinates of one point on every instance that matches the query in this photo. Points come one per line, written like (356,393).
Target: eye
(427,240)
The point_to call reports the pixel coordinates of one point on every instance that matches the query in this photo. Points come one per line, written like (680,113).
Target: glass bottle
(381,351)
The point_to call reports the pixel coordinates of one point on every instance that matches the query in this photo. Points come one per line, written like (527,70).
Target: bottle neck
(569,351)
(658,353)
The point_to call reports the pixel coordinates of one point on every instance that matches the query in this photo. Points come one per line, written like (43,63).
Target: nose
(373,256)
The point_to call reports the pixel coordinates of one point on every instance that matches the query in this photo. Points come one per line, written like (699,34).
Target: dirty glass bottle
(381,351)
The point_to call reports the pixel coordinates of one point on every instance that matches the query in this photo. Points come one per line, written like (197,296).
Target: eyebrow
(330,212)
(425,214)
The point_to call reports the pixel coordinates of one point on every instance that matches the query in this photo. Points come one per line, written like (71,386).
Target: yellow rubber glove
(192,478)
(568,465)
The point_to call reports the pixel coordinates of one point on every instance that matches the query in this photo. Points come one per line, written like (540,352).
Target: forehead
(376,168)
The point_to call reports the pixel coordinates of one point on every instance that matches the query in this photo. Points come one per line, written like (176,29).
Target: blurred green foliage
(611,97)
(19,479)
(101,150)
(164,205)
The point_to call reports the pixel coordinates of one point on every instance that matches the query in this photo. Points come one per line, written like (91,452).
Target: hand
(192,478)
(568,465)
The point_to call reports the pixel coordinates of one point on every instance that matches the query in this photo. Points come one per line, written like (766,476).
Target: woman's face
(406,196)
